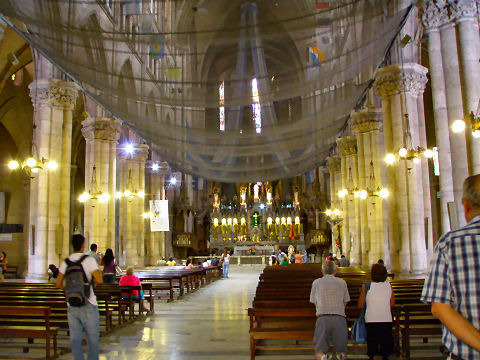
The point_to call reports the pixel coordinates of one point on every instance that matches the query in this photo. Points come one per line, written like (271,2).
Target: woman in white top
(378,316)
(225,263)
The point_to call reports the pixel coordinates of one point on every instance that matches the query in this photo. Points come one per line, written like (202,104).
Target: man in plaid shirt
(453,283)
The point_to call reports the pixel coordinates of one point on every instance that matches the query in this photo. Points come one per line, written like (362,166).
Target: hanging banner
(159,220)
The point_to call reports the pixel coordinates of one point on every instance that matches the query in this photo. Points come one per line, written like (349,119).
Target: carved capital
(347,145)
(462,9)
(414,78)
(334,164)
(141,152)
(392,80)
(159,168)
(388,81)
(367,120)
(101,129)
(435,14)
(62,94)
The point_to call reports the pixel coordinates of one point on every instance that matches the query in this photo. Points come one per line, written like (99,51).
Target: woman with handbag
(378,315)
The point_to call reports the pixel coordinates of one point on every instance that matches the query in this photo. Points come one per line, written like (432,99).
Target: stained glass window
(256,109)
(221,112)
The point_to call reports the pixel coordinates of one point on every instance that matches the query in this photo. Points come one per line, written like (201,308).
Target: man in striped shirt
(453,283)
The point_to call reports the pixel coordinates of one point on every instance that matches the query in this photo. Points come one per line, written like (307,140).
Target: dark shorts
(379,339)
(331,329)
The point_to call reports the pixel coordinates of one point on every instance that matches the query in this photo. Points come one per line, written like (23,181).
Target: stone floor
(209,324)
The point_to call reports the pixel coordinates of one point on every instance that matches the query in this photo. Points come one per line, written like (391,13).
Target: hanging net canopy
(230,91)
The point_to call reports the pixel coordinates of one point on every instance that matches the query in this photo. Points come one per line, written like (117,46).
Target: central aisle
(211,323)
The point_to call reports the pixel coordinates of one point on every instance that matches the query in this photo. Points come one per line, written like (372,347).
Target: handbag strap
(364,307)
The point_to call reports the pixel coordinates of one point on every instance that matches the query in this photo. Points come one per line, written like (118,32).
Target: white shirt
(226,259)
(89,265)
(378,302)
(329,294)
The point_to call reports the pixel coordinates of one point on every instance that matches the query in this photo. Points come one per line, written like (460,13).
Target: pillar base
(32,277)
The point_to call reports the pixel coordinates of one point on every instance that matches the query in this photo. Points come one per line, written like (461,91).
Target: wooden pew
(29,331)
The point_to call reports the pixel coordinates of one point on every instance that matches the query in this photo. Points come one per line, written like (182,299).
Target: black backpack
(77,287)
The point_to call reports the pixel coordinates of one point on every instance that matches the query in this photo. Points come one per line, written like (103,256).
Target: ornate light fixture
(334,216)
(129,193)
(94,194)
(31,165)
(372,188)
(352,188)
(408,152)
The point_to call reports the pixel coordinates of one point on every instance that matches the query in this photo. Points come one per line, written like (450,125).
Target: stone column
(132,177)
(433,17)
(49,224)
(366,124)
(101,137)
(347,147)
(400,86)
(156,239)
(463,12)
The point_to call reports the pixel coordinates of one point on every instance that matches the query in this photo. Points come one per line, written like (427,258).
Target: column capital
(347,145)
(440,12)
(101,129)
(410,78)
(52,92)
(334,164)
(462,10)
(435,14)
(162,170)
(366,120)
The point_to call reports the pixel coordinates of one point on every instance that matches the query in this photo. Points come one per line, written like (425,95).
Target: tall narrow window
(221,112)
(256,109)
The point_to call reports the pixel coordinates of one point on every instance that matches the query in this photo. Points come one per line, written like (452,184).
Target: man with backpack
(77,276)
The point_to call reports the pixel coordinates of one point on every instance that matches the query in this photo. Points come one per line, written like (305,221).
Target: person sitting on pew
(131,280)
(52,273)
(330,296)
(4,262)
(171,262)
(378,315)
(284,258)
(189,264)
(343,262)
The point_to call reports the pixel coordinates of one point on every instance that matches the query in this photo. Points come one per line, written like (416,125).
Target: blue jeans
(225,269)
(80,319)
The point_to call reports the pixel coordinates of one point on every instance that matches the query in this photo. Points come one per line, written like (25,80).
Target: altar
(253,250)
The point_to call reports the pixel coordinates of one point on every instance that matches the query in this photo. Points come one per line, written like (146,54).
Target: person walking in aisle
(225,263)
(452,284)
(82,318)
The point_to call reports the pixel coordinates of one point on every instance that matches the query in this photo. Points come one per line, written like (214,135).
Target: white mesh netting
(231,91)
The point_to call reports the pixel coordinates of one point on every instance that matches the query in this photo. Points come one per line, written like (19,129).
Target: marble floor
(211,323)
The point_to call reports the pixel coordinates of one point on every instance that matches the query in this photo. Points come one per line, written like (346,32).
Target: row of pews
(283,319)
(33,316)
(177,279)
